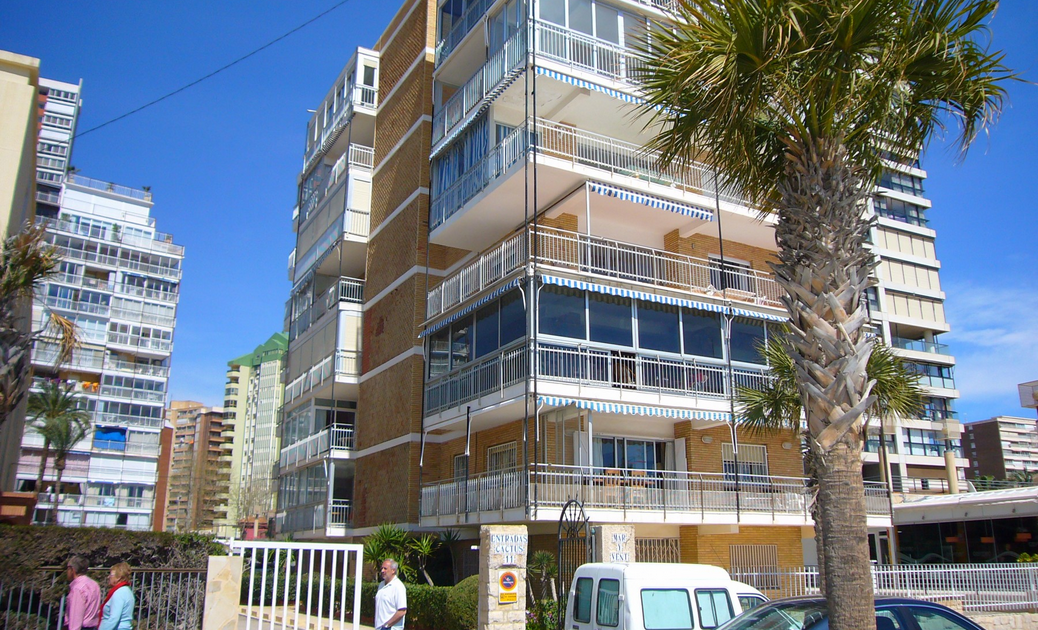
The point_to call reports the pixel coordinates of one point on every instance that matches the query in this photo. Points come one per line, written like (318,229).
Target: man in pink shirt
(84,596)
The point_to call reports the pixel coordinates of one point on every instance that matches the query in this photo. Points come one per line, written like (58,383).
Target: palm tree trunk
(824,269)
(59,465)
(43,468)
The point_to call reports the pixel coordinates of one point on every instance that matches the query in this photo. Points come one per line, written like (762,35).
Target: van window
(715,607)
(666,609)
(608,613)
(582,601)
(749,602)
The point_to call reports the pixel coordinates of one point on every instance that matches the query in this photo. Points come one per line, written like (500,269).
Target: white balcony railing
(572,251)
(130,393)
(85,255)
(337,437)
(47,354)
(590,366)
(340,513)
(157,242)
(97,184)
(151,294)
(140,317)
(360,95)
(119,419)
(583,149)
(356,156)
(142,343)
(662,491)
(346,363)
(75,306)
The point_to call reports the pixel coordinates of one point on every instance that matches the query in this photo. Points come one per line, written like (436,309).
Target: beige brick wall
(703,457)
(390,404)
(386,487)
(702,246)
(388,258)
(391,324)
(411,34)
(715,548)
(399,176)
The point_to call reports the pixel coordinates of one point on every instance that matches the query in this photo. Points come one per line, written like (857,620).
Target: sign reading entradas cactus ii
(502,571)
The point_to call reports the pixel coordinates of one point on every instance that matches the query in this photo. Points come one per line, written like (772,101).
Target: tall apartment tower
(1004,447)
(253,398)
(550,316)
(324,311)
(59,106)
(199,477)
(119,281)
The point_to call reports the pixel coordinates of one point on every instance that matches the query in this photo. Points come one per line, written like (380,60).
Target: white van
(653,596)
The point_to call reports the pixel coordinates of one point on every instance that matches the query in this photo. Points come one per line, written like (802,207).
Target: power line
(214,72)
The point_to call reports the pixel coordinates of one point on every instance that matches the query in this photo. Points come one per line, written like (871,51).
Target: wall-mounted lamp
(707,439)
(787,445)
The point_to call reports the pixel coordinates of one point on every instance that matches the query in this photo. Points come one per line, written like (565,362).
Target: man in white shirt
(391,599)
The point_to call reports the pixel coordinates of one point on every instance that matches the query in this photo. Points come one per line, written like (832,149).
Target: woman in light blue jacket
(117,609)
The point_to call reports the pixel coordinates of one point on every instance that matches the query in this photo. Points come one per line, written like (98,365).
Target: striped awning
(558,76)
(652,201)
(484,105)
(654,297)
(635,410)
(471,307)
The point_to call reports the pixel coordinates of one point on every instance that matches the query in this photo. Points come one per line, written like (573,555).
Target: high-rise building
(59,107)
(199,477)
(549,315)
(253,397)
(1003,447)
(119,281)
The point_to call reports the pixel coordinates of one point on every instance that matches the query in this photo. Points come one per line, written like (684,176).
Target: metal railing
(142,343)
(603,257)
(919,345)
(129,448)
(360,95)
(141,317)
(158,242)
(468,21)
(346,363)
(340,513)
(75,253)
(132,393)
(580,148)
(587,54)
(97,184)
(75,306)
(666,491)
(355,156)
(488,81)
(152,294)
(299,585)
(589,365)
(979,587)
(81,359)
(164,598)
(335,437)
(48,197)
(120,419)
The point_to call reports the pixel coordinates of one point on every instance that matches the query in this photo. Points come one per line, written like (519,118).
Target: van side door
(583,591)
(607,605)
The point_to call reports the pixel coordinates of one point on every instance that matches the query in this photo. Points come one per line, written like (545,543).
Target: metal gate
(574,545)
(299,585)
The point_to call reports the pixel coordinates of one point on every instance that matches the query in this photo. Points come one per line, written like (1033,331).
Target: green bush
(463,603)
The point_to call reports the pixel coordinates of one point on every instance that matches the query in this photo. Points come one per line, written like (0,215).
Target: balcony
(356,156)
(75,306)
(585,366)
(151,294)
(85,360)
(97,184)
(575,155)
(140,317)
(346,364)
(607,258)
(634,496)
(86,282)
(340,513)
(158,242)
(336,441)
(73,253)
(130,393)
(140,369)
(127,448)
(346,291)
(354,226)
(148,344)
(124,420)
(360,96)
(919,345)
(45,196)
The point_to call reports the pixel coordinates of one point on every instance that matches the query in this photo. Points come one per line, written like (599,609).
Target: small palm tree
(26,260)
(795,102)
(422,548)
(388,541)
(543,566)
(63,423)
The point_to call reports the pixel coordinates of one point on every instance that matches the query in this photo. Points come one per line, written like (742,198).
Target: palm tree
(796,101)
(543,566)
(26,260)
(778,406)
(59,418)
(422,548)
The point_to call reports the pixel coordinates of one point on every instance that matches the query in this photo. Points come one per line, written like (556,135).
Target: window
(715,607)
(562,312)
(487,326)
(582,600)
(461,466)
(615,452)
(658,327)
(759,561)
(753,462)
(609,319)
(501,457)
(899,210)
(746,336)
(461,342)
(702,333)
(730,274)
(608,612)
(513,317)
(902,182)
(934,619)
(666,609)
(749,602)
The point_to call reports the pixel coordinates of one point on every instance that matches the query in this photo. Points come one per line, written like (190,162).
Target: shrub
(427,607)
(463,603)
(543,616)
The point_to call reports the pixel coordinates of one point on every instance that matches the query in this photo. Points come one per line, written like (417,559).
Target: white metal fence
(299,585)
(979,587)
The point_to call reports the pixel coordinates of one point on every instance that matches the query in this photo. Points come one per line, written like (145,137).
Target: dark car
(809,613)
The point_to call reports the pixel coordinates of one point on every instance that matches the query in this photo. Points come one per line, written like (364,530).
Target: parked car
(649,595)
(810,613)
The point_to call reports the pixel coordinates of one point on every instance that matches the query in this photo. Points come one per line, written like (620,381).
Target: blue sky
(222,160)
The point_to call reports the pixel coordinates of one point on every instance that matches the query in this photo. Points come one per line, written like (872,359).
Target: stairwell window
(753,463)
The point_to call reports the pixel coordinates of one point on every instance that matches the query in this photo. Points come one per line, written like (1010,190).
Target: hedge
(463,603)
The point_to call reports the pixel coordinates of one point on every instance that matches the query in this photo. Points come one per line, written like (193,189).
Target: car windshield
(779,616)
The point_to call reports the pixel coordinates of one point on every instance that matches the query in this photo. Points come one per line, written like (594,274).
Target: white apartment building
(323,313)
(119,281)
(60,103)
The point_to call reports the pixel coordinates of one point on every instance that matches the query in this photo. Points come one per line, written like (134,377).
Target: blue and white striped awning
(654,297)
(558,76)
(635,410)
(651,200)
(471,307)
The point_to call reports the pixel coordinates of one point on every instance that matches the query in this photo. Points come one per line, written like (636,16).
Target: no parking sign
(508,581)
